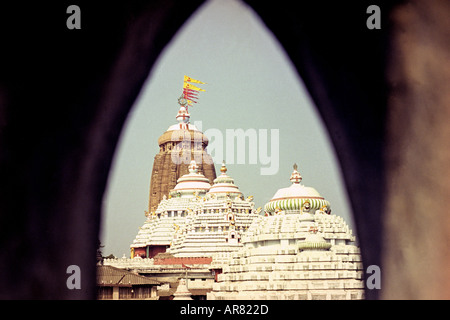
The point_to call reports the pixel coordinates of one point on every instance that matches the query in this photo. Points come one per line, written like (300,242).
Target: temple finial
(295,176)
(193,168)
(183,115)
(224,167)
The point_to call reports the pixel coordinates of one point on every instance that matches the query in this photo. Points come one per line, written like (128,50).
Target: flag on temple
(190,92)
(192,87)
(189,79)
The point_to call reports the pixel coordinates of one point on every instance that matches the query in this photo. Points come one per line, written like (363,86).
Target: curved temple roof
(192,182)
(293,198)
(224,184)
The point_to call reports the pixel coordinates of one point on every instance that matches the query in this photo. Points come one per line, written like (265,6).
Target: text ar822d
(246,309)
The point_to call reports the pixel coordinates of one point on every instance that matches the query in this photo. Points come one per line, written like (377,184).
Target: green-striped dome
(294,197)
(295,204)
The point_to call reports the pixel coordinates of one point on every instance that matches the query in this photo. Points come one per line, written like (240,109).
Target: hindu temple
(299,250)
(202,238)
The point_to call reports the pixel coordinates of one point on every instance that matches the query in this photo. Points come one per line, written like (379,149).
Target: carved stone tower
(181,143)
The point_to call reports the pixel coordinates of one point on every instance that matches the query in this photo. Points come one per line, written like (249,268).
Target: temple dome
(224,185)
(296,191)
(183,130)
(192,182)
(291,199)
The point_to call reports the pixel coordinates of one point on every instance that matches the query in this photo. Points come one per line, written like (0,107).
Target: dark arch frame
(65,94)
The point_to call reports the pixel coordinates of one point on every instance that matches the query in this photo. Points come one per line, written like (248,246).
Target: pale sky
(251,84)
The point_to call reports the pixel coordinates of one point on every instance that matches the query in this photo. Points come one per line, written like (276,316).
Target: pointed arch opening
(251,85)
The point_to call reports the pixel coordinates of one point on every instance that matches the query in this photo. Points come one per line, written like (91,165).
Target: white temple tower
(298,251)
